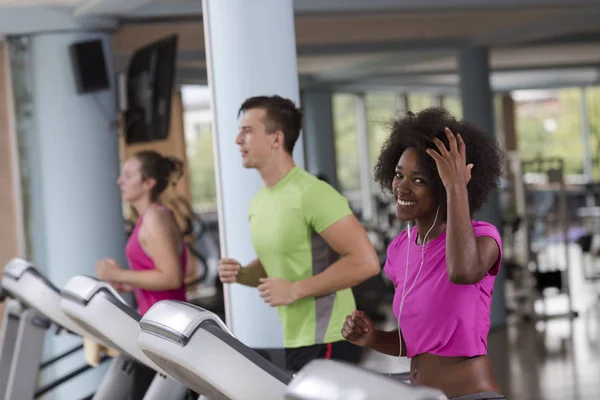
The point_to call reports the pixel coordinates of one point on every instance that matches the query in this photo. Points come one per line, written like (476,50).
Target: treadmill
(194,346)
(32,310)
(98,308)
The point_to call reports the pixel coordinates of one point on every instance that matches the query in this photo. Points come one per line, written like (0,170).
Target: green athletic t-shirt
(285,222)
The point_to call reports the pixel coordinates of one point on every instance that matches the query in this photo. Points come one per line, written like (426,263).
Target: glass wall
(593,111)
(199,147)
(381,108)
(548,123)
(346,141)
(453,105)
(419,101)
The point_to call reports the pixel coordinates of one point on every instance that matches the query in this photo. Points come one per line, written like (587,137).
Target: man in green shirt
(311,249)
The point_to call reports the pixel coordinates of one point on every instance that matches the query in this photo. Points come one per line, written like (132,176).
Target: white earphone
(404,293)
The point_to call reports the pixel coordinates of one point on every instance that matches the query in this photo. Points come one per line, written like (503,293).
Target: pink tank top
(438,316)
(140,261)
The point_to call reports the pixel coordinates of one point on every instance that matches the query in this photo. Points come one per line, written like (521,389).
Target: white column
(249,52)
(71,163)
(365,169)
(477,104)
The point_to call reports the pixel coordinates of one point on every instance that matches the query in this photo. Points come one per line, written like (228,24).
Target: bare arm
(251,274)
(122,288)
(359,329)
(387,342)
(468,258)
(163,241)
(357,263)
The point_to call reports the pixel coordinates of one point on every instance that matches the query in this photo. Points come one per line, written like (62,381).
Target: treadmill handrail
(119,304)
(31,269)
(16,267)
(181,337)
(109,296)
(99,285)
(261,362)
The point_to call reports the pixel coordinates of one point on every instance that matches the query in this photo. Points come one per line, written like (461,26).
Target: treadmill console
(82,288)
(177,321)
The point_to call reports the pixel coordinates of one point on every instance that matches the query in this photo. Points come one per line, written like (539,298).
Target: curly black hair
(417,131)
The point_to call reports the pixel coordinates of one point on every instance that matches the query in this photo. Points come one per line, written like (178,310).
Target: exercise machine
(335,380)
(32,310)
(20,350)
(96,306)
(196,348)
(542,198)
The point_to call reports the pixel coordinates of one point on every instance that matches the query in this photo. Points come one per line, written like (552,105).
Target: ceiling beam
(199,76)
(377,47)
(314,80)
(193,7)
(330,6)
(130,37)
(369,67)
(171,9)
(576,21)
(108,7)
(453,90)
(546,79)
(122,60)
(35,20)
(133,36)
(577,38)
(434,90)
(502,80)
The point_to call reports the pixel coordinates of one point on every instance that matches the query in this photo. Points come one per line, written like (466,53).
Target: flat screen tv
(149,85)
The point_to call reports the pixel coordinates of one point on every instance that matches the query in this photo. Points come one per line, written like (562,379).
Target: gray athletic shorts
(481,396)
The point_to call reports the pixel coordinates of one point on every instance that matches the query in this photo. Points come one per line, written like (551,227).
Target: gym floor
(552,360)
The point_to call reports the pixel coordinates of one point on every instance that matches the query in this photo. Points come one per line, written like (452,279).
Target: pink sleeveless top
(140,261)
(438,316)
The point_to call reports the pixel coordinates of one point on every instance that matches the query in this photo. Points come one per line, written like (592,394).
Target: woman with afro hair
(440,171)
